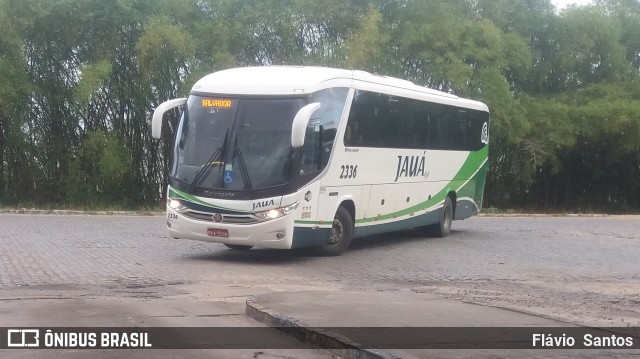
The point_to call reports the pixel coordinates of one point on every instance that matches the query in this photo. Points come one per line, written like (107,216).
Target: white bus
(289,157)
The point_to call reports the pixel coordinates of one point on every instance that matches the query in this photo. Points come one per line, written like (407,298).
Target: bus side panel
(470,194)
(397,198)
(316,231)
(465,203)
(417,220)
(332,197)
(307,230)
(481,176)
(382,200)
(399,189)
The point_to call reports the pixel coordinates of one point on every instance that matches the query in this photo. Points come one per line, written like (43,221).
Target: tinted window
(322,128)
(230,143)
(381,120)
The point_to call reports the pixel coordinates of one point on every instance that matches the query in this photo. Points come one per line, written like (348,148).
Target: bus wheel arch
(341,231)
(350,207)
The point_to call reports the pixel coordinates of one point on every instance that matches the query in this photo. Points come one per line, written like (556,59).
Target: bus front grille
(231,219)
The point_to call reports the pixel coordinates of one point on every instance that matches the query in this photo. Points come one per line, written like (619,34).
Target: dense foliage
(80,78)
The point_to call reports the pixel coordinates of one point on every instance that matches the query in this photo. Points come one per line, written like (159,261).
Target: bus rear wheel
(443,228)
(238,247)
(341,235)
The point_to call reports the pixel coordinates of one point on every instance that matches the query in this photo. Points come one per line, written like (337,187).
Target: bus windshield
(235,144)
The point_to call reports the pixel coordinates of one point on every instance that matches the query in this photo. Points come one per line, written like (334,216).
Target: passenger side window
(387,121)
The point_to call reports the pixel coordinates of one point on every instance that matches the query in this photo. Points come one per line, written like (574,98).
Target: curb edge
(335,343)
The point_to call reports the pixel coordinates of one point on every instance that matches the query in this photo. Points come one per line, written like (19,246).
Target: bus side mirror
(156,121)
(300,122)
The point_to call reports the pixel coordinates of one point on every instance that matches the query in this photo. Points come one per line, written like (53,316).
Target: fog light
(280,235)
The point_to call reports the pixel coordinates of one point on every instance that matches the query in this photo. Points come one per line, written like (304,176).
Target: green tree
(366,45)
(82,77)
(100,172)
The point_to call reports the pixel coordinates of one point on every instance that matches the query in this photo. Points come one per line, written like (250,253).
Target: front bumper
(276,233)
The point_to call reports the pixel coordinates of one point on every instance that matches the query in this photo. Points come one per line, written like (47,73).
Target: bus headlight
(176,205)
(278,212)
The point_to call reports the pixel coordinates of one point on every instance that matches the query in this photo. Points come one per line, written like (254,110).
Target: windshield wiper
(216,156)
(243,167)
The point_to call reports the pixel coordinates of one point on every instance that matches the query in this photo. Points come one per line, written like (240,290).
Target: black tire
(341,235)
(238,247)
(443,228)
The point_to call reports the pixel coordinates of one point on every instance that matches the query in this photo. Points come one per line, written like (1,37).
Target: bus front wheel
(341,235)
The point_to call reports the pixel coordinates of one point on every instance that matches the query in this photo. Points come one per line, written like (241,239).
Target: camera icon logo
(23,338)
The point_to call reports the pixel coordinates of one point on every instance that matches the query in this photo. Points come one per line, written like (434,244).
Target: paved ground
(421,321)
(580,270)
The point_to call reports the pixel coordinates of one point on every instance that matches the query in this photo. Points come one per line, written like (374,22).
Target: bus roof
(292,80)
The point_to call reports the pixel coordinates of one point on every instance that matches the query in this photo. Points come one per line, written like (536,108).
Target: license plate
(216,232)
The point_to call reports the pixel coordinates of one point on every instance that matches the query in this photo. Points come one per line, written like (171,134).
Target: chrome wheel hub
(337,232)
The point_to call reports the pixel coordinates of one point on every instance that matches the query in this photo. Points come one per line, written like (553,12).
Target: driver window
(322,129)
(311,151)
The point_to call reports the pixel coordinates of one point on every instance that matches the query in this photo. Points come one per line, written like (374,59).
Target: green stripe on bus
(472,167)
(468,169)
(191,198)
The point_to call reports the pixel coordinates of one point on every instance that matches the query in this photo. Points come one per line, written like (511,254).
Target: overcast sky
(561,4)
